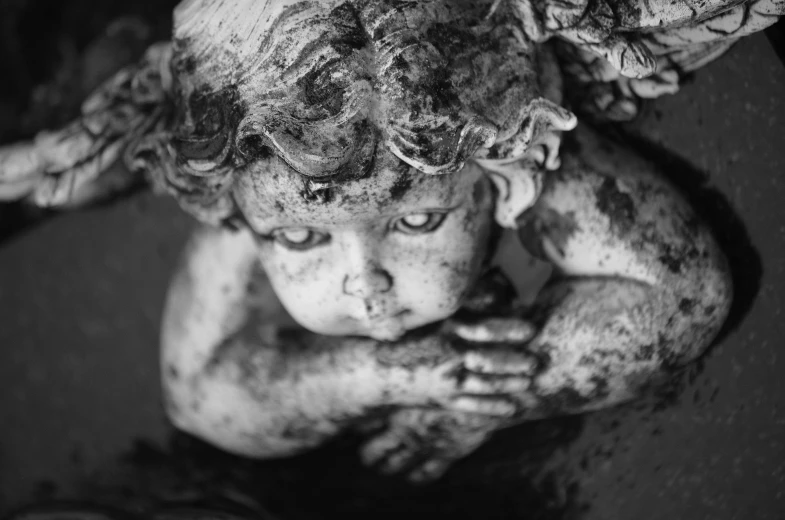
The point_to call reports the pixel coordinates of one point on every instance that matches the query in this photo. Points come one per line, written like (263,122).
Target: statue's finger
(500,361)
(496,406)
(494,330)
(485,384)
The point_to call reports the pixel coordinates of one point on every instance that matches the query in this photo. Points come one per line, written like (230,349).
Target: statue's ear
(517,186)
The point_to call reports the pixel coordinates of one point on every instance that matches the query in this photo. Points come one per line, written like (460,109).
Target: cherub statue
(357,165)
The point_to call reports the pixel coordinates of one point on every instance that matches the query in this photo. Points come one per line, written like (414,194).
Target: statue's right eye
(299,239)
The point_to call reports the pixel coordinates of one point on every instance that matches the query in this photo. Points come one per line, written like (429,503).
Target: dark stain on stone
(616,205)
(686,305)
(477,192)
(645,353)
(492,294)
(601,388)
(206,120)
(401,186)
(399,355)
(560,402)
(716,212)
(546,222)
(671,361)
(671,261)
(183,63)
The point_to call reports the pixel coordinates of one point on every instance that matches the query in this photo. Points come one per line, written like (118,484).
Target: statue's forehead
(271,194)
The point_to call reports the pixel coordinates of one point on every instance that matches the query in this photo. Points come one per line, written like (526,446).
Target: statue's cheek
(461,276)
(293,272)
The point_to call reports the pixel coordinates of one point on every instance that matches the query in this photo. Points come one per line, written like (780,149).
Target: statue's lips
(379,319)
(387,327)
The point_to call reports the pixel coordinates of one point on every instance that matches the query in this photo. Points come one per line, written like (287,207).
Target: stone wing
(614,53)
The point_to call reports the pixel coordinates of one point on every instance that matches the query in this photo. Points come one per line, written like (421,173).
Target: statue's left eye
(419,223)
(299,239)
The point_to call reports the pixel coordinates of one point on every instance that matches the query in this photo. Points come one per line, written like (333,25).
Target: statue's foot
(421,445)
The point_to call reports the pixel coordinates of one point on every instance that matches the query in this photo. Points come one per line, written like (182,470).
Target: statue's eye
(419,223)
(299,239)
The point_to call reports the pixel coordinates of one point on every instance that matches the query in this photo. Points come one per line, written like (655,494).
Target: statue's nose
(365,276)
(365,284)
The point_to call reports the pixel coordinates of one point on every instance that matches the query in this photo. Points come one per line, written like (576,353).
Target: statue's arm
(228,376)
(238,372)
(643,288)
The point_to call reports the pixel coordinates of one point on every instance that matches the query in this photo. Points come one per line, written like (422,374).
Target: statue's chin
(386,334)
(382,329)
(388,327)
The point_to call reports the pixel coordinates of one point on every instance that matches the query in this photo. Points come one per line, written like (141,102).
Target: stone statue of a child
(359,163)
(383,150)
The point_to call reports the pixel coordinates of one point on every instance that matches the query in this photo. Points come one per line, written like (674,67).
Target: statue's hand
(497,370)
(488,382)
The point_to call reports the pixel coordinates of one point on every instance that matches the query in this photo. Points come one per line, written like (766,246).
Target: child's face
(386,254)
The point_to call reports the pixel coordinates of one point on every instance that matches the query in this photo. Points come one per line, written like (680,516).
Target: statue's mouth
(389,331)
(384,326)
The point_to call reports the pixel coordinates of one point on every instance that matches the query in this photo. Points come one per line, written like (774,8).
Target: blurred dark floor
(80,415)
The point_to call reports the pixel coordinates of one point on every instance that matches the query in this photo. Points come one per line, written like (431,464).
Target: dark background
(81,297)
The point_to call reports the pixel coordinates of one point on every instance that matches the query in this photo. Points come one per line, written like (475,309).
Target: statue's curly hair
(322,88)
